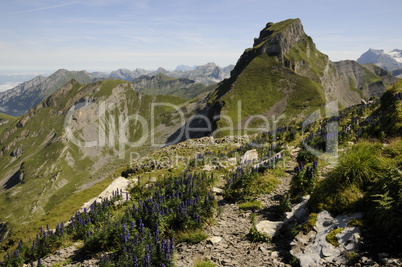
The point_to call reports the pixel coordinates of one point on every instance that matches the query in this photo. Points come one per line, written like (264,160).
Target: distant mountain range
(388,60)
(206,74)
(18,100)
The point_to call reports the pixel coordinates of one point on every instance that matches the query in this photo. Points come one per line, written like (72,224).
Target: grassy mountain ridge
(284,73)
(47,166)
(20,99)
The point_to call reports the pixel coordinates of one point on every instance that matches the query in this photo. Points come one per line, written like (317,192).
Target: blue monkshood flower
(17,253)
(134,262)
(33,244)
(132,225)
(88,233)
(253,209)
(147,260)
(172,245)
(39,262)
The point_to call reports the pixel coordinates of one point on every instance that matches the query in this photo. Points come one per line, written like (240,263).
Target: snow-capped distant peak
(395,54)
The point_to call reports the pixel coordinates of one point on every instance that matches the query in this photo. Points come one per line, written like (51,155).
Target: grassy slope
(263,83)
(164,85)
(6,117)
(368,176)
(392,121)
(49,179)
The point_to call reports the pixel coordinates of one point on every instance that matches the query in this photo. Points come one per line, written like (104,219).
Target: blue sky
(104,35)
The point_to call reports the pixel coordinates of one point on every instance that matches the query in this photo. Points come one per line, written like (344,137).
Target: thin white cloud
(42,8)
(8,85)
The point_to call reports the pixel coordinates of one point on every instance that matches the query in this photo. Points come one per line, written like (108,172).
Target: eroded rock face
(357,76)
(273,43)
(3,231)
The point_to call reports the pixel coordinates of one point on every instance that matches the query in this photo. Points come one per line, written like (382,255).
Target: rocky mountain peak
(389,60)
(276,39)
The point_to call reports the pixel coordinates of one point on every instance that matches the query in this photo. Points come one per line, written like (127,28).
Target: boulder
(17,152)
(214,240)
(299,212)
(217,191)
(208,168)
(249,157)
(269,227)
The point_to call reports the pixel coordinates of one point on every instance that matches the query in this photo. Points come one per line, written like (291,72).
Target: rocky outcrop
(313,249)
(250,157)
(15,179)
(17,152)
(3,231)
(118,185)
(274,40)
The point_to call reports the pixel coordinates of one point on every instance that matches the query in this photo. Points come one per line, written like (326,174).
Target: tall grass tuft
(360,166)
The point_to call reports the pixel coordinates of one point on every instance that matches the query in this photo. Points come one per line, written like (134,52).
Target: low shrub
(192,237)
